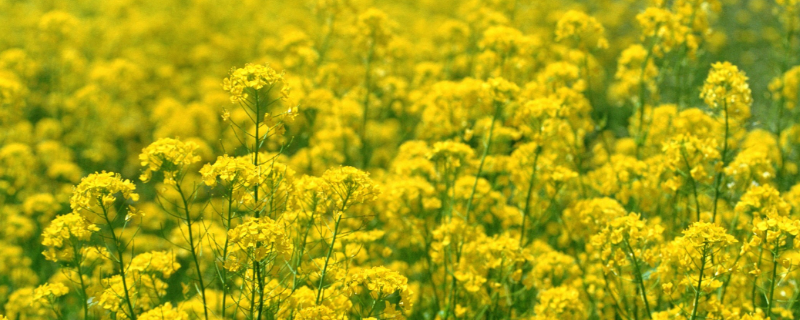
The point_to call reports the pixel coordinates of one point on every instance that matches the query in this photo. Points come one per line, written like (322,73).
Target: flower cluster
(157,262)
(726,89)
(168,156)
(347,186)
(256,240)
(99,191)
(64,233)
(253,77)
(583,27)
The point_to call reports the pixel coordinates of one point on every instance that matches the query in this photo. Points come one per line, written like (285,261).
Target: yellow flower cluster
(726,89)
(253,77)
(99,190)
(256,240)
(237,174)
(164,312)
(158,262)
(47,292)
(347,186)
(374,30)
(62,235)
(582,27)
(701,234)
(142,291)
(663,27)
(169,156)
(560,303)
(762,202)
(380,283)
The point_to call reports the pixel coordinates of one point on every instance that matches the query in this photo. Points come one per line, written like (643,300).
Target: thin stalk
(303,247)
(255,154)
(778,133)
(118,246)
(327,258)
(330,248)
(260,277)
(755,281)
(526,211)
(699,284)
(720,174)
(772,282)
(728,280)
(330,23)
(225,254)
(694,184)
(641,136)
(253,293)
(259,280)
(192,247)
(486,146)
(639,279)
(83,294)
(367,87)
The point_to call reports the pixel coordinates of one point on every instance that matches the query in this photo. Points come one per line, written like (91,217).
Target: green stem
(367,87)
(192,247)
(225,254)
(720,175)
(641,136)
(639,278)
(694,183)
(327,258)
(118,246)
(755,281)
(303,247)
(526,211)
(772,282)
(486,147)
(83,294)
(699,284)
(260,277)
(255,154)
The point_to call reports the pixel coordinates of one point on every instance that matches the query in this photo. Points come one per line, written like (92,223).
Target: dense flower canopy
(411,159)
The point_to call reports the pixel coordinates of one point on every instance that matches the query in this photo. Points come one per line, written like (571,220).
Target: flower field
(412,159)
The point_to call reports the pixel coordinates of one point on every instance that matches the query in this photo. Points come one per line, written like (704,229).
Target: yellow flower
(504,40)
(380,282)
(587,31)
(763,202)
(726,89)
(346,186)
(374,29)
(164,312)
(689,154)
(58,236)
(701,234)
(562,303)
(47,292)
(450,153)
(633,74)
(664,28)
(99,189)
(501,90)
(257,239)
(169,156)
(254,77)
(161,262)
(316,313)
(785,88)
(237,172)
